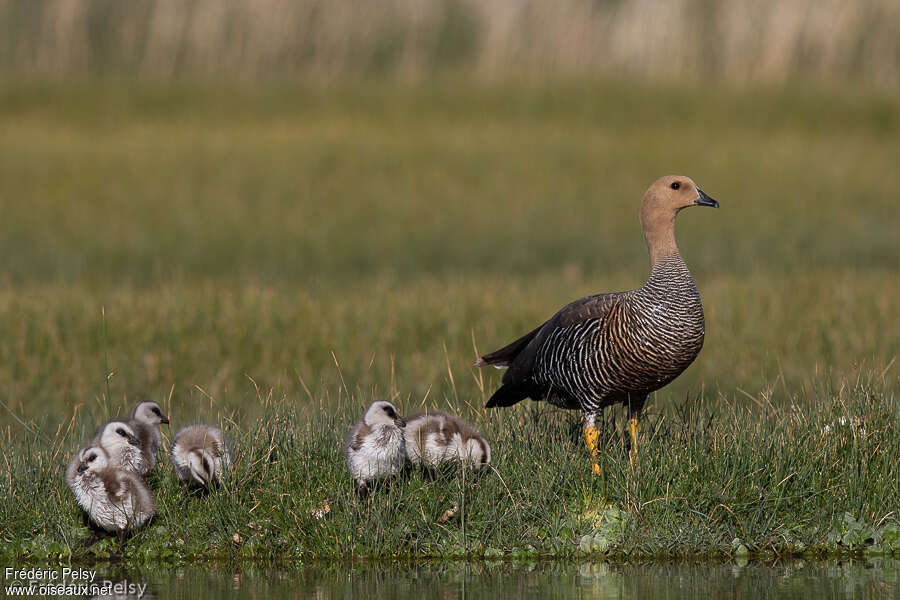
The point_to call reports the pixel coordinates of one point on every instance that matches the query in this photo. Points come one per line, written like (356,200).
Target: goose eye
(675,185)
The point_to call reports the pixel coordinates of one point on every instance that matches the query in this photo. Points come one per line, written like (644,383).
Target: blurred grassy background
(278,232)
(326,40)
(329,198)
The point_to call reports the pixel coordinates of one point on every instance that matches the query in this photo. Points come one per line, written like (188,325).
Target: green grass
(273,259)
(781,476)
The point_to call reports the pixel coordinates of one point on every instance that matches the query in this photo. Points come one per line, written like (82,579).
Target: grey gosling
(433,438)
(201,455)
(145,420)
(620,347)
(374,447)
(122,446)
(115,498)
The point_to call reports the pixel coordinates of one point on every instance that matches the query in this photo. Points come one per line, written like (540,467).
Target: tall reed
(767,41)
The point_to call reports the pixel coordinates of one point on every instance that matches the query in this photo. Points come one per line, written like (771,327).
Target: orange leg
(633,430)
(592,441)
(635,405)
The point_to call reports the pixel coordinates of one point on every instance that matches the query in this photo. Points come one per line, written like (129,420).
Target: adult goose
(619,347)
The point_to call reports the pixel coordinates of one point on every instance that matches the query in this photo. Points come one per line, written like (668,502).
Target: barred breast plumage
(618,347)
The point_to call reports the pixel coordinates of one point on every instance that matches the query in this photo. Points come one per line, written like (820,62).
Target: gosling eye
(156,412)
(91,458)
(121,432)
(675,185)
(389,411)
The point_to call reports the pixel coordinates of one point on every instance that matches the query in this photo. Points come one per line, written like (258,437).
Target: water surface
(858,579)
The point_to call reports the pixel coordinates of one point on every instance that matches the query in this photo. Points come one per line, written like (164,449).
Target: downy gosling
(374,447)
(433,438)
(115,498)
(122,446)
(145,419)
(201,455)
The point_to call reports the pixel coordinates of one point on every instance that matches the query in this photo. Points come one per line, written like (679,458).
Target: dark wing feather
(592,307)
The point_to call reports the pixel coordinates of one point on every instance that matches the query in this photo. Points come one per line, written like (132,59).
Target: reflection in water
(361,580)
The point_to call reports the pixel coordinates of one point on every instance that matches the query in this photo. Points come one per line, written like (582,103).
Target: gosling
(145,420)
(201,455)
(433,438)
(122,446)
(115,499)
(374,447)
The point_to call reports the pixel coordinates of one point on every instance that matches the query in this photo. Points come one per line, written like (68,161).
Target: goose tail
(505,355)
